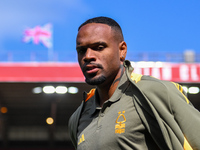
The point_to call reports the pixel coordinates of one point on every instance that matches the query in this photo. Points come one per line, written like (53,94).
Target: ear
(122,50)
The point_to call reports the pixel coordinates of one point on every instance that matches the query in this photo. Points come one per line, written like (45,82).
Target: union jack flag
(39,34)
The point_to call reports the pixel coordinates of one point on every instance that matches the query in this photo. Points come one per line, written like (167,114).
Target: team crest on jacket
(120,123)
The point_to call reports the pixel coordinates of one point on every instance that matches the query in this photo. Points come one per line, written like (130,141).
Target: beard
(96,81)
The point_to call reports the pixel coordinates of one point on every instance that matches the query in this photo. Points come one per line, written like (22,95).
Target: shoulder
(73,120)
(73,124)
(76,112)
(149,83)
(153,87)
(153,84)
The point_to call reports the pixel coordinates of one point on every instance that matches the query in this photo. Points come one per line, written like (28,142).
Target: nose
(89,55)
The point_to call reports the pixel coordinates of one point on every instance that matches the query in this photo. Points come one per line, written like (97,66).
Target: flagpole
(50,48)
(50,54)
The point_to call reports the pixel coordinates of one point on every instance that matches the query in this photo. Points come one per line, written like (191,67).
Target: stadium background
(39,75)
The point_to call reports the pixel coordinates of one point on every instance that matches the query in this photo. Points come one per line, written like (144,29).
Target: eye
(81,50)
(98,47)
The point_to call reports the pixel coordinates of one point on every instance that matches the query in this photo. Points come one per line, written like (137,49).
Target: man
(127,110)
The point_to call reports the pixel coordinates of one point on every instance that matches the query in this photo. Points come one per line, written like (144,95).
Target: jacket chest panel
(117,124)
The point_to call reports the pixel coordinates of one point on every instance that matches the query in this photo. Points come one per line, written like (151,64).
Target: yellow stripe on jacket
(186,145)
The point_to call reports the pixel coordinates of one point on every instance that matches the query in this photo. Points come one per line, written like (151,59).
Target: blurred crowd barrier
(188,56)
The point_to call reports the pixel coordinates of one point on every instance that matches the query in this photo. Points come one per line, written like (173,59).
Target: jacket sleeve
(187,117)
(73,125)
(180,118)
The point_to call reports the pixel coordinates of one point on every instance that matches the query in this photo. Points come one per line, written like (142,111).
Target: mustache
(88,65)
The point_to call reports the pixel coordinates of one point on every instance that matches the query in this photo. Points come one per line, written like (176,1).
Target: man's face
(98,53)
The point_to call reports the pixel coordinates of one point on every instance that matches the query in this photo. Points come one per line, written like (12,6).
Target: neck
(106,91)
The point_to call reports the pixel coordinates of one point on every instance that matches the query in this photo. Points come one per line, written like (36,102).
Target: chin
(95,81)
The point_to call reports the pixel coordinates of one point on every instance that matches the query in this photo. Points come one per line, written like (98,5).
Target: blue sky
(149,26)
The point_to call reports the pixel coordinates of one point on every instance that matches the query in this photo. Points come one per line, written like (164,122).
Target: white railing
(71,56)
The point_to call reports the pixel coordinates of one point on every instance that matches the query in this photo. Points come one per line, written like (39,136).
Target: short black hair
(104,20)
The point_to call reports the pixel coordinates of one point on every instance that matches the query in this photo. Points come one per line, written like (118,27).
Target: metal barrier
(71,56)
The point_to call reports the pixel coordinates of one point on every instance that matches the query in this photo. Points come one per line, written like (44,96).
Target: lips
(91,68)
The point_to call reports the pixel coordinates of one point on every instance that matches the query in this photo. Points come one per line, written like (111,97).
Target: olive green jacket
(166,112)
